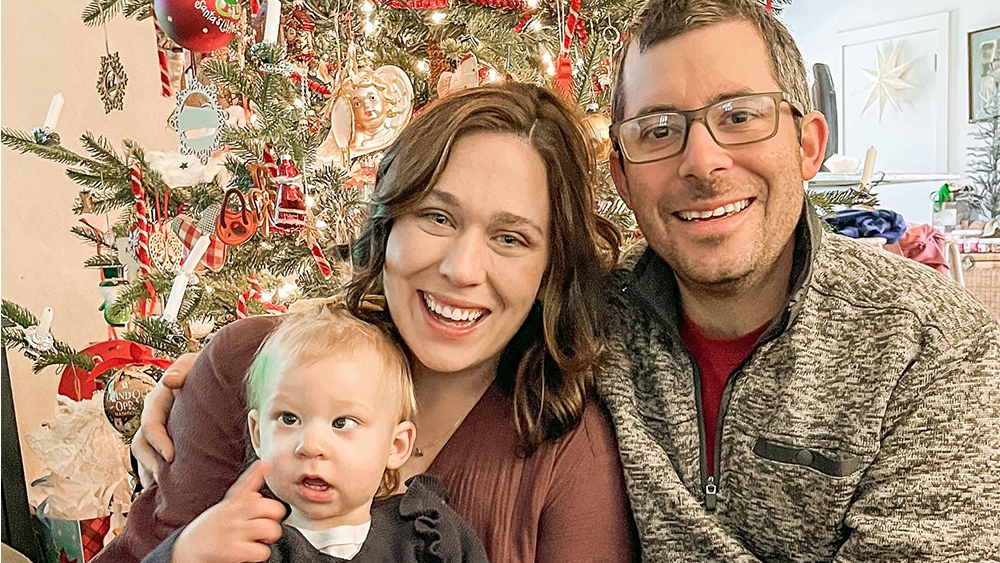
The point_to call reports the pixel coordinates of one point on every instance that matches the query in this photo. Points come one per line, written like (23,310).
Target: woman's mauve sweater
(566,502)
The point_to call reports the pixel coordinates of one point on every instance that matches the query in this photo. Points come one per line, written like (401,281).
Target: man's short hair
(662,19)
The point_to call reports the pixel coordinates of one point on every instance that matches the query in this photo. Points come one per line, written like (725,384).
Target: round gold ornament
(597,127)
(124,395)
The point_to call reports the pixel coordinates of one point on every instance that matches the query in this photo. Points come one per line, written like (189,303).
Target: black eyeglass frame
(692,115)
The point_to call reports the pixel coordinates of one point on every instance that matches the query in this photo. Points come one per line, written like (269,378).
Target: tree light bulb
(310,201)
(533,4)
(367,7)
(438,17)
(547,58)
(536,26)
(321,224)
(422,66)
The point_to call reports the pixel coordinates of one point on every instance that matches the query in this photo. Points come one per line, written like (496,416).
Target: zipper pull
(710,493)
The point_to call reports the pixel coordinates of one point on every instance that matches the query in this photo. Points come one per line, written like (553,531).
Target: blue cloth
(862,223)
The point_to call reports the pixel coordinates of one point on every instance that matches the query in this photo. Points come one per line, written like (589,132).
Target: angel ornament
(367,112)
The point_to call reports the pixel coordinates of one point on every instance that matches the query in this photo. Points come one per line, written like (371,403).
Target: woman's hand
(239,529)
(151,445)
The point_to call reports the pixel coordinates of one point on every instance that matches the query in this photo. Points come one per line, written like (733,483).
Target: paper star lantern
(890,79)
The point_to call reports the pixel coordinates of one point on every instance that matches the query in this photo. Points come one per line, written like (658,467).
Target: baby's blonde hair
(304,338)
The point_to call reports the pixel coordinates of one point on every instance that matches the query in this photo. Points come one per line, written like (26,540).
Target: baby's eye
(344,423)
(288,418)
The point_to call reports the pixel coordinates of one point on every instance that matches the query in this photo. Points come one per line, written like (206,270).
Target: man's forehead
(696,68)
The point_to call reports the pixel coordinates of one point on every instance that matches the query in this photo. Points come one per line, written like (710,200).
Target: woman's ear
(402,444)
(253,423)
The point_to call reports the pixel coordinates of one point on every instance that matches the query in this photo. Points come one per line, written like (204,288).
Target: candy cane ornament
(321,262)
(140,219)
(255,294)
(166,88)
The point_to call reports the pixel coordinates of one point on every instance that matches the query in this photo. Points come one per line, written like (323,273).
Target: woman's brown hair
(548,367)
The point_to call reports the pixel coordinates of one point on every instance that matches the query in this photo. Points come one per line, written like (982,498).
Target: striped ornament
(140,219)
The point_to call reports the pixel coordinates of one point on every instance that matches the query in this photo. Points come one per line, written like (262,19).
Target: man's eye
(288,418)
(738,117)
(345,423)
(661,132)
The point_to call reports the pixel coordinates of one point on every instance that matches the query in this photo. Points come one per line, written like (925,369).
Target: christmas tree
(282,111)
(984,160)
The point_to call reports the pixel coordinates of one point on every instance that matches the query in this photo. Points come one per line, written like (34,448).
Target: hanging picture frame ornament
(198,120)
(111,82)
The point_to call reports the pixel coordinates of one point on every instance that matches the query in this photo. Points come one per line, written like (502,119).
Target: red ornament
(290,209)
(199,25)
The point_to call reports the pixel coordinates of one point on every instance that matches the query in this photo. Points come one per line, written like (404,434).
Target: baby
(330,402)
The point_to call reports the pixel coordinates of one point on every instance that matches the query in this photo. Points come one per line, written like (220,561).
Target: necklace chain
(417,452)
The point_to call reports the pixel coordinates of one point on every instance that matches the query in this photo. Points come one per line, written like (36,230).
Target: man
(779,393)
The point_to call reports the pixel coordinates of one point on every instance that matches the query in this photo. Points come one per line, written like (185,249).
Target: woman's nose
(465,262)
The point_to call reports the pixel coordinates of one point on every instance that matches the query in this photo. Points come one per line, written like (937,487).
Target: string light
(536,26)
(533,4)
(310,201)
(438,17)
(321,224)
(422,65)
(370,28)
(367,7)
(286,290)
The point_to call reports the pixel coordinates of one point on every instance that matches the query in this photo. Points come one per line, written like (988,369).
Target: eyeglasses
(737,121)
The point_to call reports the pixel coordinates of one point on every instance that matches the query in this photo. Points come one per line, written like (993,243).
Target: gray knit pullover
(865,426)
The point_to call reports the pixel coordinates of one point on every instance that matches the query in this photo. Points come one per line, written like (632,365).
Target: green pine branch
(138,9)
(100,12)
(130,296)
(25,143)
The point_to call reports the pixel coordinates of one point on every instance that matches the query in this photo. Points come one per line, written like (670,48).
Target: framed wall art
(984,69)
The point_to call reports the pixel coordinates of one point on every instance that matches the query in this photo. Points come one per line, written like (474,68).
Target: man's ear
(253,423)
(813,145)
(618,175)
(402,444)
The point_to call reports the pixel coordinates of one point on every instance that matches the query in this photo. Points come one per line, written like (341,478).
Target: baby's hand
(239,529)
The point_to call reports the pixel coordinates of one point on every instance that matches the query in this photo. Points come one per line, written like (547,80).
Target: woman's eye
(438,218)
(288,418)
(345,423)
(510,240)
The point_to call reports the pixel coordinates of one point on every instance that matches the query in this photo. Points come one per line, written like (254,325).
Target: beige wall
(47,49)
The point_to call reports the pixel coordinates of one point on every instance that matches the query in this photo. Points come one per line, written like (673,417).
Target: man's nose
(702,156)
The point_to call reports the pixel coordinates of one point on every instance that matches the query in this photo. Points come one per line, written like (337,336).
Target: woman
(483,240)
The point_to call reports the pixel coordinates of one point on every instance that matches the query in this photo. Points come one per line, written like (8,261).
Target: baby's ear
(402,444)
(253,423)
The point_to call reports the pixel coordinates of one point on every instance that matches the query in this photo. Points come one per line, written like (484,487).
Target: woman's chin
(443,362)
